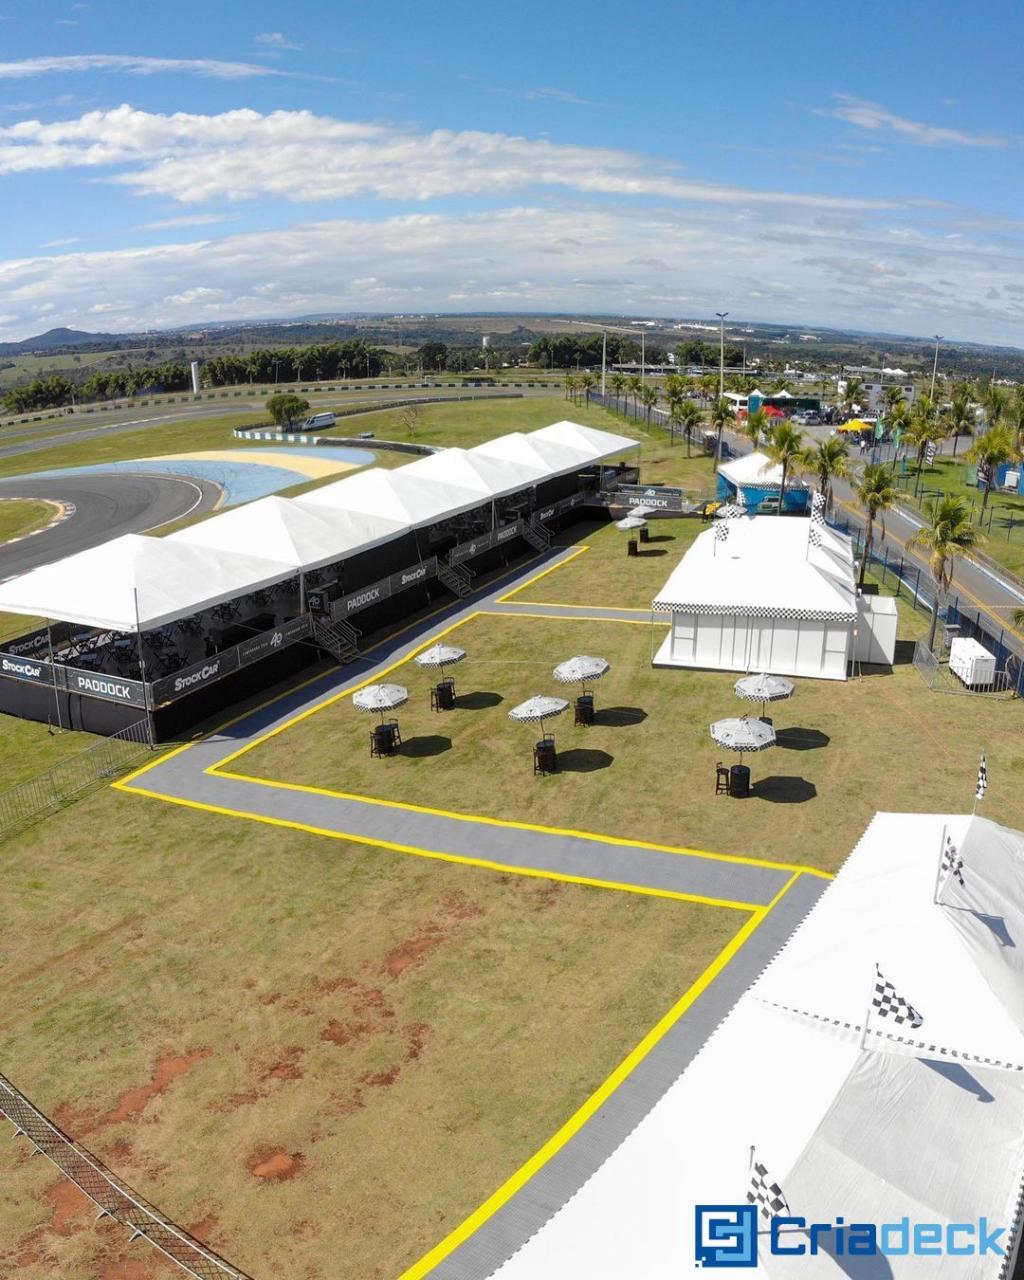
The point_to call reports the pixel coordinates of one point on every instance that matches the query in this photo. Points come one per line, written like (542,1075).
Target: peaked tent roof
(286,530)
(549,457)
(599,444)
(394,495)
(758,471)
(488,476)
(765,567)
(152,579)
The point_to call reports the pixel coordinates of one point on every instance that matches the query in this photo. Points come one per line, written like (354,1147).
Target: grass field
(27,749)
(20,516)
(646,770)
(325,1055)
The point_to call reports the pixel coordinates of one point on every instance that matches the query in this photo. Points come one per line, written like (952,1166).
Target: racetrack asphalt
(105,507)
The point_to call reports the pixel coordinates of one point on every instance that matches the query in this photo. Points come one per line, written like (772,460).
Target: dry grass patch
(324,1055)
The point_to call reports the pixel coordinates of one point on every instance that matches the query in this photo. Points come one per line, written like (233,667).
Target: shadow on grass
(784,790)
(478,701)
(662,537)
(654,551)
(583,760)
(794,739)
(620,717)
(903,655)
(430,744)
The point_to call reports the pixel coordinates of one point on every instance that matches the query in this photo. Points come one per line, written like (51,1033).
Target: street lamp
(721,352)
(935,365)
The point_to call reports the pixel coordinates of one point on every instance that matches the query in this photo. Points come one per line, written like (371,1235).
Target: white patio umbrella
(380,697)
(581,668)
(538,709)
(763,688)
(740,734)
(629,523)
(440,656)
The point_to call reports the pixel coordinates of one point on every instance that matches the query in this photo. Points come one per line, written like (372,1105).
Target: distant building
(876,383)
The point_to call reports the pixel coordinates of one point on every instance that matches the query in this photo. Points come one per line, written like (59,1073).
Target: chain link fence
(112,1197)
(64,782)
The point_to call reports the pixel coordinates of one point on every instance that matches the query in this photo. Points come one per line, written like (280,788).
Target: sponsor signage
(188,679)
(33,643)
(19,667)
(477,546)
(96,684)
(375,592)
(657,497)
(272,641)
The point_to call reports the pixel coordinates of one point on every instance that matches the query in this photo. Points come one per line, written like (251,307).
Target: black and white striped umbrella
(538,709)
(380,697)
(440,656)
(628,523)
(740,733)
(581,668)
(763,688)
(729,511)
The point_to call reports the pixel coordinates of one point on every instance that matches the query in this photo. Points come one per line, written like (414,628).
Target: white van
(318,420)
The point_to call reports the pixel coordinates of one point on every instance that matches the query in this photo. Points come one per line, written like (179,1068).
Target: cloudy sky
(795,162)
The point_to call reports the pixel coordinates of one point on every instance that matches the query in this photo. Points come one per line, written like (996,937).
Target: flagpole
(938,874)
(978,787)
(867,1019)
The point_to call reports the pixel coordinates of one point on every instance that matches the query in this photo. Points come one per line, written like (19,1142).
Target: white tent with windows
(285,529)
(756,595)
(138,583)
(925,1124)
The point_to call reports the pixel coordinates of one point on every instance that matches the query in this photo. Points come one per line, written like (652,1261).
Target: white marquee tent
(134,582)
(757,471)
(487,477)
(546,456)
(762,599)
(929,1127)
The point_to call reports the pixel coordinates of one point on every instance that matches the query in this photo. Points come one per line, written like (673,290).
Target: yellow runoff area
(303,463)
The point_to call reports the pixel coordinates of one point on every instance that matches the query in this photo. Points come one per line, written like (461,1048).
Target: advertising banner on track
(19,667)
(375,592)
(96,684)
(273,641)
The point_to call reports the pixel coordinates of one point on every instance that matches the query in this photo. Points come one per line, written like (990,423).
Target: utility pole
(604,359)
(721,352)
(935,365)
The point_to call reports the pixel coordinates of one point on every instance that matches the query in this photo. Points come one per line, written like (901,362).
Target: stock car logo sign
(725,1235)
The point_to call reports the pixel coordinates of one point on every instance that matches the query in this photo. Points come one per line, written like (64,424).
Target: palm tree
(675,398)
(948,534)
(852,394)
(570,387)
(785,448)
(634,385)
(721,413)
(757,425)
(779,383)
(689,417)
(960,418)
(989,451)
(893,397)
(649,396)
(1013,414)
(586,383)
(993,400)
(617,382)
(923,429)
(877,495)
(828,461)
(708,385)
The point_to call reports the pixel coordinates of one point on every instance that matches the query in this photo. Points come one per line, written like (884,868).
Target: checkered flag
(952,863)
(982,778)
(814,538)
(764,1192)
(890,1004)
(721,530)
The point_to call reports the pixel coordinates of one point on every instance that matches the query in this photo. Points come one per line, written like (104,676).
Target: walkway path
(769,897)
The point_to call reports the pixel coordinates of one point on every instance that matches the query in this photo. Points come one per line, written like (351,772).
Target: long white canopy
(395,495)
(488,477)
(288,530)
(548,457)
(933,1131)
(599,444)
(135,580)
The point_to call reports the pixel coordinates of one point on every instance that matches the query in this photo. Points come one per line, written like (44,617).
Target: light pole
(935,365)
(643,355)
(721,352)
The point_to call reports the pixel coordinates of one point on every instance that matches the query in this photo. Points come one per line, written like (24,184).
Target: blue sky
(174,164)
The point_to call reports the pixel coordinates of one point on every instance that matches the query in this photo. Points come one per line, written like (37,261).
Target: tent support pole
(142,667)
(867,1019)
(53,674)
(938,872)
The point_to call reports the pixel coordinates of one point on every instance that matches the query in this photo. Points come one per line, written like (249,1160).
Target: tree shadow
(429,744)
(620,717)
(478,701)
(902,654)
(583,760)
(784,790)
(795,739)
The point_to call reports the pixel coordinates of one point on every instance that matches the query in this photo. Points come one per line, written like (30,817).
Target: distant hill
(54,339)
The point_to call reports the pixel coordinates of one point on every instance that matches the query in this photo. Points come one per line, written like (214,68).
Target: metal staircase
(339,639)
(456,577)
(537,534)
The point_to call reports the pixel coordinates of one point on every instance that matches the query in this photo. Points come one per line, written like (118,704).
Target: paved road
(768,900)
(105,506)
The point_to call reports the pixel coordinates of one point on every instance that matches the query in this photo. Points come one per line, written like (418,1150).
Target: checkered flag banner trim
(952,863)
(982,778)
(818,508)
(890,1004)
(764,1192)
(721,531)
(814,535)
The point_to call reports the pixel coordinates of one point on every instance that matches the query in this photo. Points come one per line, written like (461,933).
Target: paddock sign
(657,497)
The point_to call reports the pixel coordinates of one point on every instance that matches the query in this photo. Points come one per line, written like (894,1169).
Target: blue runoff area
(241,481)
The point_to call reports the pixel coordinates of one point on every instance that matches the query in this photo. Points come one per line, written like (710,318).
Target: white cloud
(275,40)
(871,116)
(62,243)
(186,220)
(628,259)
(132,65)
(298,156)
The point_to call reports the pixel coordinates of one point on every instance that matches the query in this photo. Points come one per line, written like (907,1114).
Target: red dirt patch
(455,908)
(287,1068)
(273,1164)
(128,1269)
(204,1229)
(167,1070)
(68,1204)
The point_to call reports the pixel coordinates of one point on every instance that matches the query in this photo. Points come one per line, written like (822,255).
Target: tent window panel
(684,636)
(836,639)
